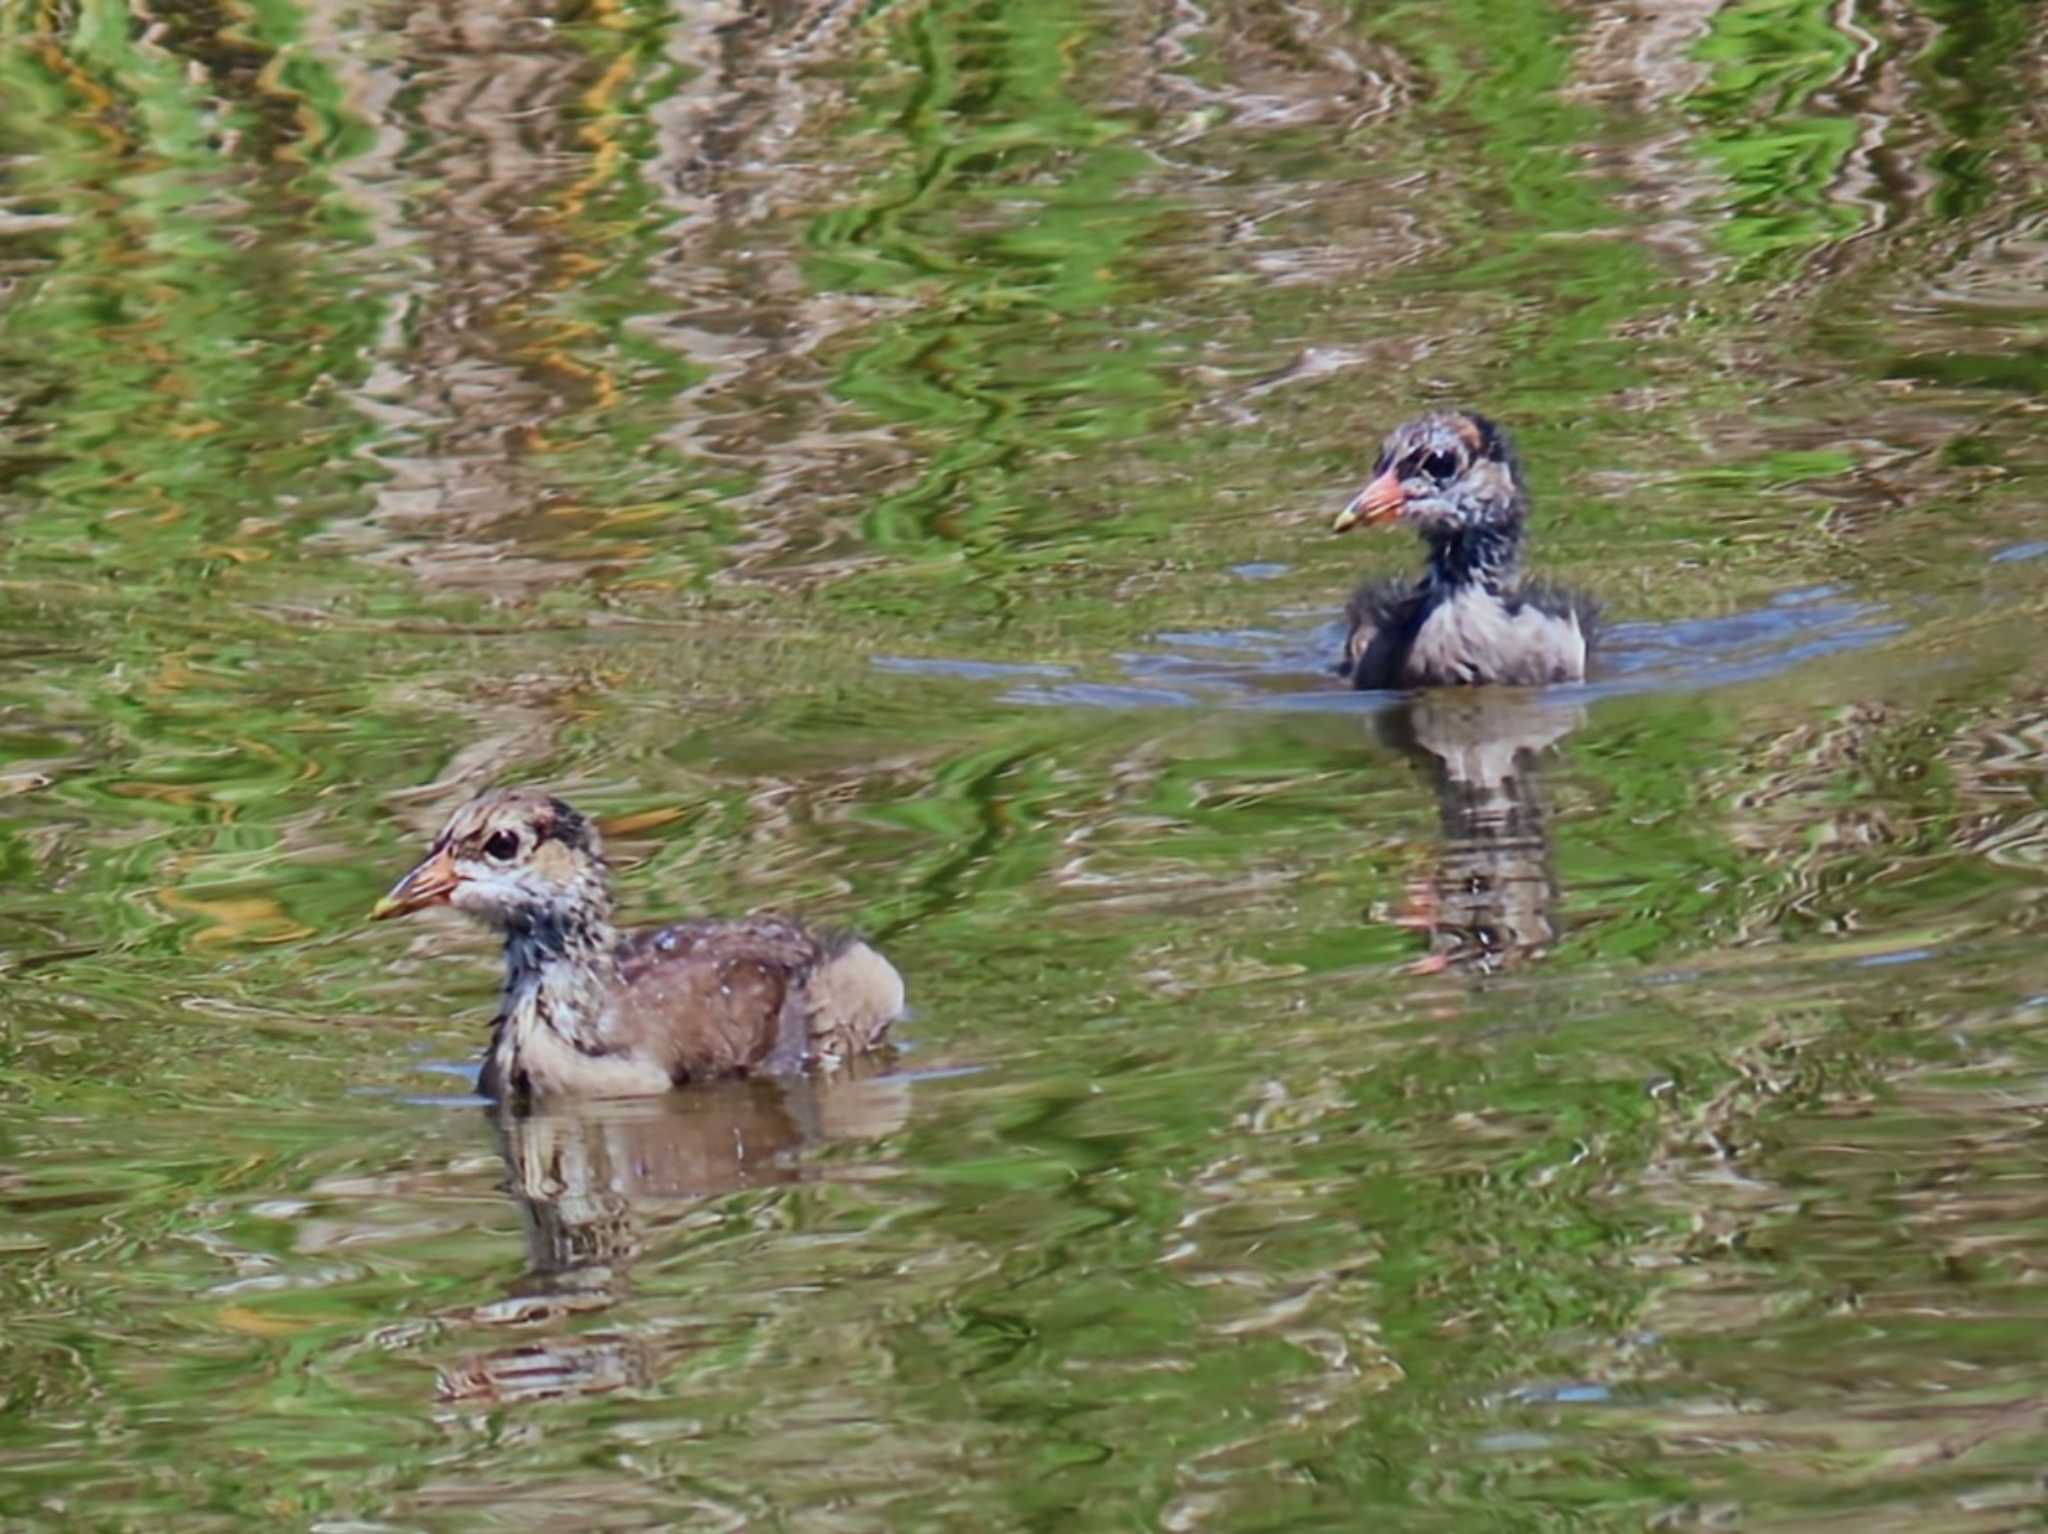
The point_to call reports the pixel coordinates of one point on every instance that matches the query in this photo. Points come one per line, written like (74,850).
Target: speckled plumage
(1454,477)
(589,1011)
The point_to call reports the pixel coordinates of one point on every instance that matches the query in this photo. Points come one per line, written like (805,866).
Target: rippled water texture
(879,456)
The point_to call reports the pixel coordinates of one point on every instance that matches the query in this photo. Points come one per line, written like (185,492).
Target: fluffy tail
(854,995)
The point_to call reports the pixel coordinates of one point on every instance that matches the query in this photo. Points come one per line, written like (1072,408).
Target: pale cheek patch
(555,863)
(1490,481)
(477,889)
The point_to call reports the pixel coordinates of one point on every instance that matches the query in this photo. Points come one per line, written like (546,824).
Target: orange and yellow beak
(429,883)
(1380,501)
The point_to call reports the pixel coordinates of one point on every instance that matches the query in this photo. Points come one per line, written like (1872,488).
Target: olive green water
(879,456)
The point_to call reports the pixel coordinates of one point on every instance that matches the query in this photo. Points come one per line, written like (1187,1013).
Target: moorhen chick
(1454,477)
(589,1011)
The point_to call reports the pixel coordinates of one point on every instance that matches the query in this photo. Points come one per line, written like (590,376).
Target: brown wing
(712,998)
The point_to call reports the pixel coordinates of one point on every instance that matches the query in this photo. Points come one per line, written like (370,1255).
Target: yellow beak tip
(384,908)
(1345,519)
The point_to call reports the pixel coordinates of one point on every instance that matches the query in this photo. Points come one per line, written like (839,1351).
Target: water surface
(880,456)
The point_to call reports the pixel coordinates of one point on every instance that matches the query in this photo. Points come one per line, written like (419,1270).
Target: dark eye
(1440,466)
(503,845)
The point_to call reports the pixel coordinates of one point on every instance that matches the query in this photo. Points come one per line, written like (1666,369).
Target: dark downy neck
(558,964)
(1488,556)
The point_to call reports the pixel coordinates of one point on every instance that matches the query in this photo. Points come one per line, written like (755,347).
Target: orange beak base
(430,883)
(1380,501)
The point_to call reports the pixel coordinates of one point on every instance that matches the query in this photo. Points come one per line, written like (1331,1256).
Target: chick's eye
(503,845)
(1440,466)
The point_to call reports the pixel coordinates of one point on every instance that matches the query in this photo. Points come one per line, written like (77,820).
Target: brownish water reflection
(1489,898)
(596,1182)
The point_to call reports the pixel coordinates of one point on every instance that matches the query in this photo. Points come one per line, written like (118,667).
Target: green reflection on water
(1017,222)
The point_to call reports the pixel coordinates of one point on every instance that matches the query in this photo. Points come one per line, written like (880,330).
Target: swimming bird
(1455,478)
(590,1011)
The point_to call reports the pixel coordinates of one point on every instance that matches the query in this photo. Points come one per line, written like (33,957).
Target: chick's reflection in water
(1490,899)
(598,1182)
